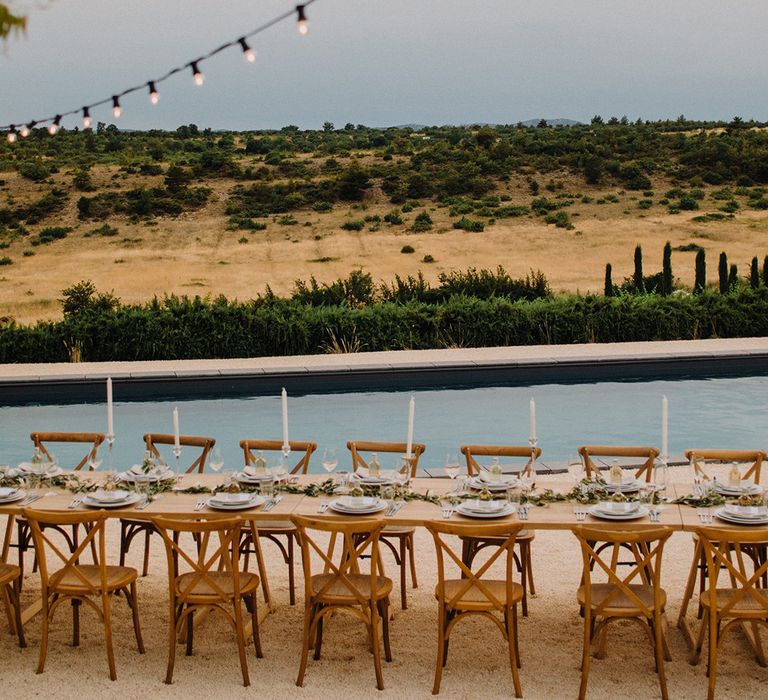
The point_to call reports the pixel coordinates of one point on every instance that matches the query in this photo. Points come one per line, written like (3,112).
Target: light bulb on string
(196,74)
(12,134)
(301,17)
(54,127)
(86,118)
(117,110)
(154,96)
(248,52)
(25,129)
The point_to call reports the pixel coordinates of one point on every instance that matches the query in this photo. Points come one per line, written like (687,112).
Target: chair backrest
(358,446)
(731,553)
(92,439)
(151,440)
(754,458)
(472,451)
(360,537)
(474,577)
(600,555)
(299,446)
(61,559)
(645,471)
(224,557)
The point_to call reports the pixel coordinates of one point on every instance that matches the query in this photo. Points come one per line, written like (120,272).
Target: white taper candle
(411,412)
(532,412)
(176,439)
(110,417)
(664,427)
(284,402)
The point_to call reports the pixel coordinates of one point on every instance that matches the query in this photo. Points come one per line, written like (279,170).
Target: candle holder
(179,475)
(286,450)
(533,442)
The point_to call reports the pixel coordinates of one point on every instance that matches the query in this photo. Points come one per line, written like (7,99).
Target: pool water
(716,413)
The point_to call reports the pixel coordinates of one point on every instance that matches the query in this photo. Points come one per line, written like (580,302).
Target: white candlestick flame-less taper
(284,407)
(411,415)
(532,416)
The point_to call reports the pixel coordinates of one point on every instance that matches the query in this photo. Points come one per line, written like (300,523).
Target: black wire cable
(297,11)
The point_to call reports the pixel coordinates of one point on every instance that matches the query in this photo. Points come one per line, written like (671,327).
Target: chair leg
(658,649)
(524,575)
(75,622)
(374,613)
(291,574)
(255,625)
(586,654)
(147,540)
(440,647)
(699,642)
(403,548)
(133,602)
(305,644)
(517,641)
(384,613)
(43,634)
(172,631)
(412,561)
(511,624)
(15,601)
(106,611)
(240,630)
(714,641)
(190,630)
(318,635)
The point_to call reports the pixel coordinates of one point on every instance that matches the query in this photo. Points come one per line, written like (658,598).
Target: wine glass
(216,459)
(452,465)
(95,460)
(330,460)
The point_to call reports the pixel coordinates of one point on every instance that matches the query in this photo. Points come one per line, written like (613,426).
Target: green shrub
(560,219)
(427,259)
(353,225)
(645,204)
(35,170)
(50,234)
(422,222)
(322,206)
(6,261)
(103,230)
(407,249)
(511,211)
(393,218)
(470,225)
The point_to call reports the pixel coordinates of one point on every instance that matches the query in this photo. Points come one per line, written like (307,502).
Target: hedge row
(182,328)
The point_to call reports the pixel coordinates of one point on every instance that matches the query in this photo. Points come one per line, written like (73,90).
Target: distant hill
(551,122)
(527,122)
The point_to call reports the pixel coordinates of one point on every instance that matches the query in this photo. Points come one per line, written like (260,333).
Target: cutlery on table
(143,504)
(323,506)
(30,499)
(200,504)
(75,503)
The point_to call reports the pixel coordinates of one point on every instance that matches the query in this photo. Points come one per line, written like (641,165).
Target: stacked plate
(743,515)
(11,495)
(475,508)
(27,468)
(136,473)
(249,476)
(608,510)
(484,481)
(111,499)
(235,501)
(383,479)
(629,486)
(745,488)
(358,505)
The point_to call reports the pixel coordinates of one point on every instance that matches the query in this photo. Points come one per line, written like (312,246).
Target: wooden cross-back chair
(472,451)
(65,580)
(10,588)
(471,546)
(130,529)
(274,531)
(214,582)
(740,602)
(644,471)
(398,539)
(473,591)
(341,587)
(753,460)
(93,439)
(635,595)
(39,439)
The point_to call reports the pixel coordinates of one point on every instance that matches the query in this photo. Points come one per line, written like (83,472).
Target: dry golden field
(196,254)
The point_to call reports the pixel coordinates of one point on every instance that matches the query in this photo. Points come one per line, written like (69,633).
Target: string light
(302,20)
(154,96)
(298,12)
(54,127)
(248,52)
(196,74)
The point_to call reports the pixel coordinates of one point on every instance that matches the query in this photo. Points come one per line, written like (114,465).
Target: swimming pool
(716,412)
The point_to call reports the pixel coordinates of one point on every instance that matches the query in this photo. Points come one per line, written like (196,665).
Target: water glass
(330,460)
(268,489)
(343,484)
(216,459)
(446,505)
(452,466)
(388,495)
(461,485)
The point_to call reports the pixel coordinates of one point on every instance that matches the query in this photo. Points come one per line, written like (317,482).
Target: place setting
(358,505)
(745,511)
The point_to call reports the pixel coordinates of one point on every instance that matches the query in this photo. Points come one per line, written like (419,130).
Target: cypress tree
(722,273)
(639,282)
(666,275)
(608,290)
(765,270)
(754,274)
(733,278)
(701,272)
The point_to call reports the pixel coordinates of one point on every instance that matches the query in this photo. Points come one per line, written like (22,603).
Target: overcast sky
(387,62)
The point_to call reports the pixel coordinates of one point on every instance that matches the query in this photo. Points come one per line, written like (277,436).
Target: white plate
(627,486)
(92,503)
(244,478)
(373,480)
(730,518)
(475,506)
(641,512)
(255,501)
(8,491)
(17,496)
(341,507)
(469,513)
(625,508)
(476,482)
(27,468)
(726,490)
(131,477)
